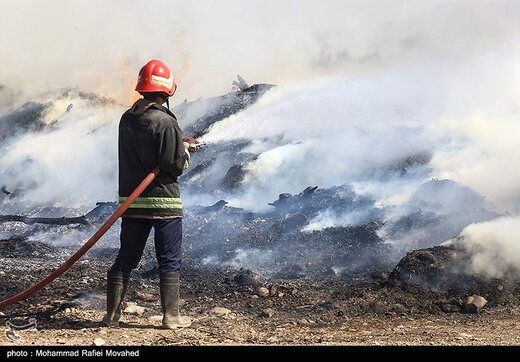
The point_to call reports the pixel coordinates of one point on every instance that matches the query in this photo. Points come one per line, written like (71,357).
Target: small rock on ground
(220,311)
(474,303)
(262,292)
(266,313)
(99,342)
(135,310)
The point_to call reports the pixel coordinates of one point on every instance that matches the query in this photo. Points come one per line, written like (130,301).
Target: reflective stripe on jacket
(155,202)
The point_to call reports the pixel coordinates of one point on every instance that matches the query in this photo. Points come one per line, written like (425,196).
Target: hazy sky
(100,45)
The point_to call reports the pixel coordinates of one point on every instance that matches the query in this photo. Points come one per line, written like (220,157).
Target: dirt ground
(238,329)
(310,312)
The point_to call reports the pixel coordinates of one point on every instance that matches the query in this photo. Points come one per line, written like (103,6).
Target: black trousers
(134,233)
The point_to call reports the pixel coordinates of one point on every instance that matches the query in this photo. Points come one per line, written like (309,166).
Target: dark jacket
(149,136)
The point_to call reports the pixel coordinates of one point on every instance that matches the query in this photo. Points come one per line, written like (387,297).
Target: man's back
(149,136)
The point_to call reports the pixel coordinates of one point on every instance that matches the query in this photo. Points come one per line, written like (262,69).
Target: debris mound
(445,269)
(23,247)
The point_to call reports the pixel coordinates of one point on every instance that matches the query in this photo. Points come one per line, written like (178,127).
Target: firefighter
(149,136)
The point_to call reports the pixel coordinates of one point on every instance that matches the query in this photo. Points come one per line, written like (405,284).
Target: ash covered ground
(325,263)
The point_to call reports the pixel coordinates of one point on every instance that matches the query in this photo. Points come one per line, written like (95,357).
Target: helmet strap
(168,103)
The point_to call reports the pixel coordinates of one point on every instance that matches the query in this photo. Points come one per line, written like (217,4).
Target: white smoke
(333,130)
(485,157)
(329,218)
(494,246)
(70,164)
(346,129)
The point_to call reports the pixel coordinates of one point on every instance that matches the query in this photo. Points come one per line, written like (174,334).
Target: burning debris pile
(337,232)
(445,269)
(277,243)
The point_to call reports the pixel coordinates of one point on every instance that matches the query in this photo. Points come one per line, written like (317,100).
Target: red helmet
(155,77)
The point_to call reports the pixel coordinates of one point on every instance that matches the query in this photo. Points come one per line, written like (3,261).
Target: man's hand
(191,143)
(190,139)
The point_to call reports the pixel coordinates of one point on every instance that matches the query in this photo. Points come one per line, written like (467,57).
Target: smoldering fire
(376,127)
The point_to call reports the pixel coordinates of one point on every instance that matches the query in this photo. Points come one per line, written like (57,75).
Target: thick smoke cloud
(71,162)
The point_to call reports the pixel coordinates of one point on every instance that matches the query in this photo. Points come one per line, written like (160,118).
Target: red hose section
(90,243)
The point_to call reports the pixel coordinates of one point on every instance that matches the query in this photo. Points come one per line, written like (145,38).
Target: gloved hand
(187,148)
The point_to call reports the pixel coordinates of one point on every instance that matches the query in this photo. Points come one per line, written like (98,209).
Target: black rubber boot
(169,286)
(117,284)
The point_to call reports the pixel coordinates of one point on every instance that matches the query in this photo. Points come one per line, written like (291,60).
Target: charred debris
(254,248)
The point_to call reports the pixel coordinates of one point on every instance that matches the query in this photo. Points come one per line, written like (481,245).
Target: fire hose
(89,244)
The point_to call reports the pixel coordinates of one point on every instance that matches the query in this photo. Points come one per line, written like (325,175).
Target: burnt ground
(367,310)
(342,284)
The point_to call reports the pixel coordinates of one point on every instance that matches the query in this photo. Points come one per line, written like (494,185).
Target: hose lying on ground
(89,244)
